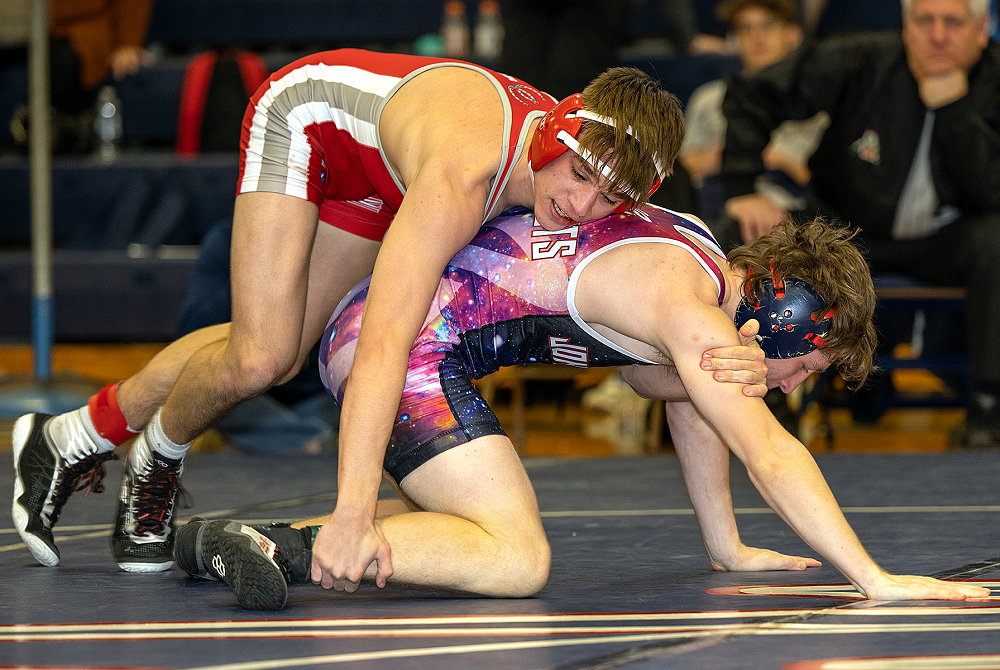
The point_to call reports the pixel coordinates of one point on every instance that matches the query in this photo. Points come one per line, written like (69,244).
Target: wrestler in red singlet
(312,131)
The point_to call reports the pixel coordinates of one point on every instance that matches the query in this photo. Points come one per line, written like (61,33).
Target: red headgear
(559,129)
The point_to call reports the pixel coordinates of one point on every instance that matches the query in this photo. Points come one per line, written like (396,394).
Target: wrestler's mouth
(562,214)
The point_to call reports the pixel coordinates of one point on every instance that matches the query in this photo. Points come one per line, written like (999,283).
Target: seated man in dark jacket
(911,157)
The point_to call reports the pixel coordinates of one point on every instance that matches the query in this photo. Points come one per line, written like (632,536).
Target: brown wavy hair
(822,255)
(633,99)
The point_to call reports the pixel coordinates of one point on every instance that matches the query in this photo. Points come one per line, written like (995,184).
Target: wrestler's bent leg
(481,530)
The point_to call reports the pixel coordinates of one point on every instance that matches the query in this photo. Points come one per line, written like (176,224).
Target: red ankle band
(107,417)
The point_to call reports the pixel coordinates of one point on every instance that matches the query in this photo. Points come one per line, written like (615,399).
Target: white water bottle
(455,30)
(108,123)
(488,35)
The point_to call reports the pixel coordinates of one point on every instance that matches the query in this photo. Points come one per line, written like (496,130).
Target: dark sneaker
(143,540)
(44,481)
(257,562)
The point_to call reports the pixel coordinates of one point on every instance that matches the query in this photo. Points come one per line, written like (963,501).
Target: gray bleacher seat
(114,281)
(109,205)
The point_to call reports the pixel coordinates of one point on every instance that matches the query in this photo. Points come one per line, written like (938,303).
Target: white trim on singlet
(363,131)
(705,237)
(505,171)
(299,149)
(575,278)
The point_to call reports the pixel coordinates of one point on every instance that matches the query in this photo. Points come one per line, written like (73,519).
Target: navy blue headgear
(785,310)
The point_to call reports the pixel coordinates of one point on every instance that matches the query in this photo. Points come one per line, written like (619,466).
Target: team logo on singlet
(544,244)
(568,354)
(525,94)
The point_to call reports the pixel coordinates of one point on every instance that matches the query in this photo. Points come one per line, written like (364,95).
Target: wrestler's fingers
(733,358)
(738,376)
(748,332)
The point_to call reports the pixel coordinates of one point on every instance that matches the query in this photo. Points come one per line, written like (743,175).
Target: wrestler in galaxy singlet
(312,131)
(506,299)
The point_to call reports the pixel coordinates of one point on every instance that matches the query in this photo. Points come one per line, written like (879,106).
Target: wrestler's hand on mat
(743,365)
(344,548)
(752,559)
(912,587)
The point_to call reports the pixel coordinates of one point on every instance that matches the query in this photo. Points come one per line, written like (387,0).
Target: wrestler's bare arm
(673,309)
(705,463)
(447,148)
(780,466)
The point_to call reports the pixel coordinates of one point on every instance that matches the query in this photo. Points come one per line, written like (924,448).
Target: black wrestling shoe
(257,562)
(44,481)
(143,539)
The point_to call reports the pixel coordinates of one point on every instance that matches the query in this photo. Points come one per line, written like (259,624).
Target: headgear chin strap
(560,129)
(785,310)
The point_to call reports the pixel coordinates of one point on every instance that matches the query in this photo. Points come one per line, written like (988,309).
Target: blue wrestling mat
(630,587)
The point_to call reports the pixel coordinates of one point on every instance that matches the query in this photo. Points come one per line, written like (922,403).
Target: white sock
(160,443)
(75,437)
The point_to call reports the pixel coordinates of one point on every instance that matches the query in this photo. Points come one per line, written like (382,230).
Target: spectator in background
(561,45)
(297,416)
(93,39)
(910,158)
(765,32)
(92,42)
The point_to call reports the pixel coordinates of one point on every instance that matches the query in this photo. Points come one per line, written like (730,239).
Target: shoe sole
(146,567)
(257,582)
(134,561)
(41,551)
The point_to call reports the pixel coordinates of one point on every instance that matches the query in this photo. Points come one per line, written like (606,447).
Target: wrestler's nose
(790,384)
(582,201)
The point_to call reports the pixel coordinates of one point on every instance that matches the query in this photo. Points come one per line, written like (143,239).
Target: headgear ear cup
(568,116)
(545,144)
(785,310)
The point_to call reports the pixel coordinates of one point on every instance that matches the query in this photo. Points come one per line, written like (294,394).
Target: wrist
(724,555)
(353,513)
(867,581)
